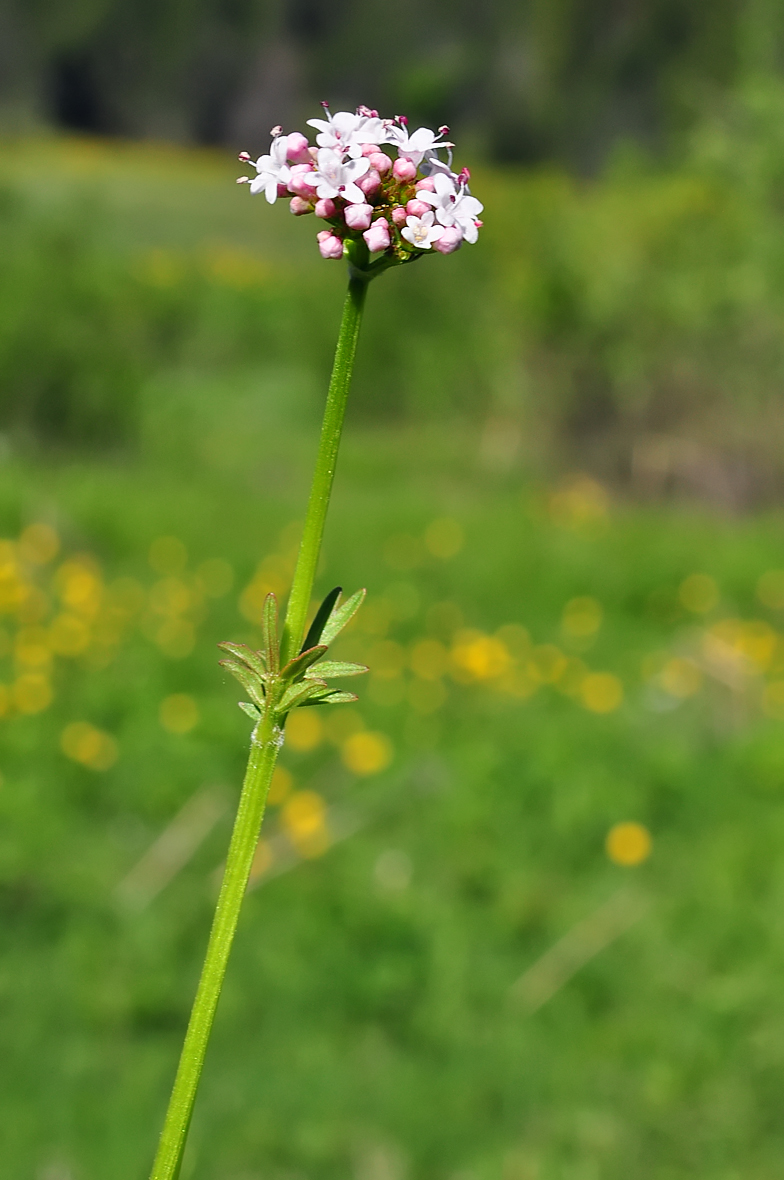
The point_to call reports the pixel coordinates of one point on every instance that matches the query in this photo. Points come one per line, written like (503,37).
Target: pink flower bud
(403,169)
(370,149)
(417,208)
(370,183)
(377,237)
(313,153)
(301,174)
(451,239)
(330,245)
(427,183)
(399,216)
(381,162)
(298,206)
(358,216)
(283,190)
(297,149)
(326,208)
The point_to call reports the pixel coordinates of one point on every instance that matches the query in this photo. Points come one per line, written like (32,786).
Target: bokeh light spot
(168,555)
(582,617)
(281,785)
(628,844)
(698,593)
(601,692)
(304,817)
(39,544)
(366,752)
(304,730)
(83,743)
(32,693)
(179,713)
(216,577)
(444,538)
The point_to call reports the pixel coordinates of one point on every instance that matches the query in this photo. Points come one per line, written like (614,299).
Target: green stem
(261,763)
(263,756)
(310,546)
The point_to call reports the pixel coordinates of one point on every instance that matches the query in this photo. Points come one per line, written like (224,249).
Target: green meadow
(518,914)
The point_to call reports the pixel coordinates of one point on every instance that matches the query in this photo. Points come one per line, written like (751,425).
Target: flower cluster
(382,190)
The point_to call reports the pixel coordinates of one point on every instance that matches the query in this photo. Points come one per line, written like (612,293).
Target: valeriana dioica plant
(388,198)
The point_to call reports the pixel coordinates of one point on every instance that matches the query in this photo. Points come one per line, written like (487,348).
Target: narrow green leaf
(295,668)
(247,679)
(246,655)
(250,709)
(333,698)
(269,633)
(297,694)
(329,669)
(342,615)
(319,621)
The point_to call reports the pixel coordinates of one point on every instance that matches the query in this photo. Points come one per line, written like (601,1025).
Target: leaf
(246,655)
(251,710)
(269,633)
(247,679)
(342,615)
(297,694)
(297,667)
(329,669)
(319,621)
(333,698)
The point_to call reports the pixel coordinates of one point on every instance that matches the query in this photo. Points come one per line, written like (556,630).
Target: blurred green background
(517,915)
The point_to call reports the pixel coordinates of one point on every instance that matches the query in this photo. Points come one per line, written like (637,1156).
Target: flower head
(421,232)
(336,178)
(385,194)
(272,170)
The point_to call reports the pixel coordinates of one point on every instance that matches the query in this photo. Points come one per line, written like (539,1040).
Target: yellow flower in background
(281,785)
(582,618)
(547,663)
(444,538)
(215,576)
(580,503)
(304,818)
(32,692)
(168,555)
(429,659)
(179,713)
(601,692)
(69,635)
(304,730)
(628,844)
(680,677)
(79,585)
(39,544)
(31,647)
(699,593)
(366,752)
(476,656)
(83,743)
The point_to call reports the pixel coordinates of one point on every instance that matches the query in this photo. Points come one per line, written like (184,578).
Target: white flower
(453,205)
(347,133)
(421,232)
(414,147)
(272,170)
(334,178)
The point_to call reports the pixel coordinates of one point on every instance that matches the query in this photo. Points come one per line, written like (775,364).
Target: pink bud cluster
(368,178)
